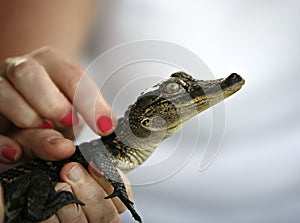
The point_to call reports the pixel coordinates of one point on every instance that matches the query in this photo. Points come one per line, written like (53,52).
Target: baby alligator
(158,113)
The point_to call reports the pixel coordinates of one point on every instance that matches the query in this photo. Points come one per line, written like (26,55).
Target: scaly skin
(29,193)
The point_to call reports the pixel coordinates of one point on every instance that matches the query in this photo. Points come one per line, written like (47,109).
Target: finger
(35,85)
(10,151)
(71,212)
(46,144)
(2,209)
(52,219)
(72,81)
(15,108)
(87,189)
(71,133)
(109,188)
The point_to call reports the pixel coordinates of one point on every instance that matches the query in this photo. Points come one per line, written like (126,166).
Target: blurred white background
(255,177)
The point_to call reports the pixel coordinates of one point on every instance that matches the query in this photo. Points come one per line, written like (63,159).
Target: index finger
(71,80)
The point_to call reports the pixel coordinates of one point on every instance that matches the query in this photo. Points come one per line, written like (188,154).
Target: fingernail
(104,124)
(70,119)
(55,140)
(47,125)
(75,174)
(9,153)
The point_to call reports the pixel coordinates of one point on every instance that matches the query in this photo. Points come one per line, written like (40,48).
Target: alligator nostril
(233,79)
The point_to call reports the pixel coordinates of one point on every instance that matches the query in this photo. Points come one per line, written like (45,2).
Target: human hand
(89,188)
(34,137)
(37,91)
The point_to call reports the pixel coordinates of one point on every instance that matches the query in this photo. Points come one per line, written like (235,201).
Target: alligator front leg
(102,162)
(32,197)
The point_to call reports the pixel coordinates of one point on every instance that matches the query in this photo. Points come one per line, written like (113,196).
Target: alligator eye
(146,122)
(172,88)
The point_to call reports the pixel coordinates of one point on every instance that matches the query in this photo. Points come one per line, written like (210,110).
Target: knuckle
(72,213)
(52,219)
(93,197)
(13,115)
(44,51)
(31,120)
(113,218)
(24,123)
(11,62)
(19,69)
(76,214)
(121,209)
(79,218)
(54,108)
(117,219)
(74,79)
(73,84)
(76,68)
(4,87)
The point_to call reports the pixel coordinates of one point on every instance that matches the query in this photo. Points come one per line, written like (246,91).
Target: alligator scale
(156,115)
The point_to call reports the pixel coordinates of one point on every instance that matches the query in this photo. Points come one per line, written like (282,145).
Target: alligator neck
(129,149)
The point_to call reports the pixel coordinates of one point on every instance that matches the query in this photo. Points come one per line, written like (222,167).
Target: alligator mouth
(224,87)
(205,94)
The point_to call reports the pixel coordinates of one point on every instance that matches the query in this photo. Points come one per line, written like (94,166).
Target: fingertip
(10,151)
(58,148)
(66,168)
(72,172)
(106,124)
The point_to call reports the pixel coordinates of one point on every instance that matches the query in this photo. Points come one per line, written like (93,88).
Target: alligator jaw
(202,94)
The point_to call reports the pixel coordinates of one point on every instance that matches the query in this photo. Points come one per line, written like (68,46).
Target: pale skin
(38,83)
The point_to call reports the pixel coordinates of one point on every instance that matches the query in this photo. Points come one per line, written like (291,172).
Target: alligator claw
(128,203)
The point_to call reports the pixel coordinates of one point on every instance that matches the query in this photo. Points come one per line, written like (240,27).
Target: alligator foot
(120,192)
(32,197)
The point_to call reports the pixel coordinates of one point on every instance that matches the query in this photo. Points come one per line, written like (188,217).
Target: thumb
(46,144)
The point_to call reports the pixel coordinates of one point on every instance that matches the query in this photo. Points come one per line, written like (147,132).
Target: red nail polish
(9,153)
(104,123)
(46,125)
(70,119)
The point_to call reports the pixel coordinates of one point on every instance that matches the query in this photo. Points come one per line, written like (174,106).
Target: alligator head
(173,101)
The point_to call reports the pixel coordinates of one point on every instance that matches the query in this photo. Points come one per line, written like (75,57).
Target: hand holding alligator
(36,92)
(40,86)
(76,180)
(96,209)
